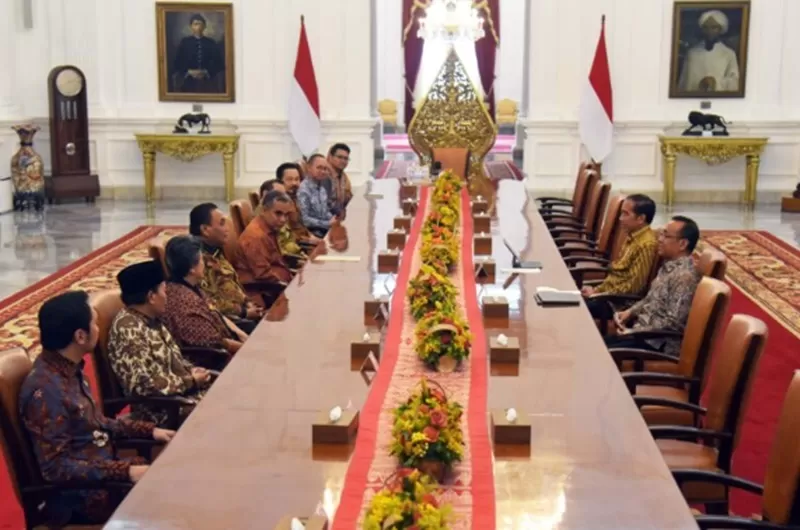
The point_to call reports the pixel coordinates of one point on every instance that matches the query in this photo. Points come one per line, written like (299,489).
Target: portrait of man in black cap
(143,354)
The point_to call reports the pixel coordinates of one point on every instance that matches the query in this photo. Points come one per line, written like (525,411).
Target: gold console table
(187,147)
(712,150)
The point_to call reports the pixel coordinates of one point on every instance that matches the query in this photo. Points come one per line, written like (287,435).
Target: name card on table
(337,258)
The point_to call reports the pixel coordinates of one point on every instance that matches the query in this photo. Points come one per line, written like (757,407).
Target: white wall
(114,43)
(639,40)
(509,63)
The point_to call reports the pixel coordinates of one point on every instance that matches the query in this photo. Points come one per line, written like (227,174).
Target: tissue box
(341,432)
(481,222)
(361,348)
(517,433)
(504,354)
(409,207)
(395,240)
(372,310)
(495,307)
(315,522)
(480,205)
(403,222)
(482,244)
(487,268)
(408,191)
(388,261)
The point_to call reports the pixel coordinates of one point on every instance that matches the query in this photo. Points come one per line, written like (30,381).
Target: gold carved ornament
(188,149)
(453,115)
(712,153)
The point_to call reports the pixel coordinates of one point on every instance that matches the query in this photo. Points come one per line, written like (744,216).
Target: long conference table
(244,458)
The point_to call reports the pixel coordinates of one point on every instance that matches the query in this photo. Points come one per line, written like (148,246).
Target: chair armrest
(578,272)
(735,523)
(558,214)
(612,298)
(77,485)
(577,230)
(171,404)
(670,432)
(639,357)
(648,378)
(211,358)
(572,260)
(654,334)
(711,477)
(214,374)
(264,287)
(554,200)
(644,401)
(576,245)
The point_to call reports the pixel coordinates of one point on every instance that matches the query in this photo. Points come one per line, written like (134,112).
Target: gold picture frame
(195,52)
(709,49)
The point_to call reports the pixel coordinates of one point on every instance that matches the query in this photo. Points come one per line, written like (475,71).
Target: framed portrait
(709,49)
(195,52)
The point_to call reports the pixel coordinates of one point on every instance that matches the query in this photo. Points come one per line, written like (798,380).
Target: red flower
(424,409)
(438,418)
(431,433)
(438,396)
(446,338)
(430,499)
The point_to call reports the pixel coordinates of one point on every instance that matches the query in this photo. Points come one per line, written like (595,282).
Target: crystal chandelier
(451,20)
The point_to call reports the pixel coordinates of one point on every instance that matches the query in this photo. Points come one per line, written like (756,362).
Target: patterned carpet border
(765,268)
(94,272)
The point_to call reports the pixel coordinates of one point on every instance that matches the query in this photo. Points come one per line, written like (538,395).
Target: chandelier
(451,20)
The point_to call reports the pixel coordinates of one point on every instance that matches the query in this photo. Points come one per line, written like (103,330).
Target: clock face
(69,83)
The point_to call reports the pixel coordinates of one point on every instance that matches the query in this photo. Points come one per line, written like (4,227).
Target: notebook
(547,296)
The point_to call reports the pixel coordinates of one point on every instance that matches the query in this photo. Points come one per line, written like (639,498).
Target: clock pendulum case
(71,174)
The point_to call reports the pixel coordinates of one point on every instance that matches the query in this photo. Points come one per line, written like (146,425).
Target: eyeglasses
(666,235)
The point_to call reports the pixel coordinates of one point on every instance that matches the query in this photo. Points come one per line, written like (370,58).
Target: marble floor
(33,246)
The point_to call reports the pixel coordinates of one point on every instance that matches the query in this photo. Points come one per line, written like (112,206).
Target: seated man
(145,358)
(667,304)
(259,258)
(313,200)
(220,282)
(289,174)
(71,438)
(341,191)
(191,317)
(290,248)
(630,272)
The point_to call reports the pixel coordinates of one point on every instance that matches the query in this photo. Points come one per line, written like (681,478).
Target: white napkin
(502,340)
(297,525)
(511,415)
(335,414)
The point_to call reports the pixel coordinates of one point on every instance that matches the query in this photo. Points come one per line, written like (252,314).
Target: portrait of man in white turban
(710,45)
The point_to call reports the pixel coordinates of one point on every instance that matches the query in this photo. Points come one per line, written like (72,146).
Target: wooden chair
(112,397)
(241,215)
(712,263)
(453,158)
(387,108)
(28,487)
(578,192)
(255,199)
(780,494)
(595,208)
(728,395)
(577,241)
(155,249)
(654,372)
(587,181)
(507,112)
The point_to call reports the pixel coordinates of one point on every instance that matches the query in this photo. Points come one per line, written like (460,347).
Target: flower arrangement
(447,189)
(439,252)
(427,431)
(407,501)
(443,340)
(431,290)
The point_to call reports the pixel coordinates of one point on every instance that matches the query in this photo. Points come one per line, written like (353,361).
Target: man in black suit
(198,62)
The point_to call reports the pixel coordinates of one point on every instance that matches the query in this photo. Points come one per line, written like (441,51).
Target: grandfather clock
(71,174)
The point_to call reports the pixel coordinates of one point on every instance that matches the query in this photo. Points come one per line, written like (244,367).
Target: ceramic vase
(27,170)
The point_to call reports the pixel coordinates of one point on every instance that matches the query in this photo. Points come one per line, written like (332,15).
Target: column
(11,21)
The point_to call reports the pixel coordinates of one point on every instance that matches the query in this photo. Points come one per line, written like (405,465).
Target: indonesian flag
(304,99)
(596,125)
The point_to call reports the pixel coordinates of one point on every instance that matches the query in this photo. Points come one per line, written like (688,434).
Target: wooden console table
(187,147)
(713,151)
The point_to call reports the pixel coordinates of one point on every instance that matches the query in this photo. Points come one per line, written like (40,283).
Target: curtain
(486,48)
(413,10)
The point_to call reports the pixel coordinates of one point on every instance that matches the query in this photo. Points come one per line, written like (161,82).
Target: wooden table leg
(227,164)
(669,178)
(149,175)
(751,180)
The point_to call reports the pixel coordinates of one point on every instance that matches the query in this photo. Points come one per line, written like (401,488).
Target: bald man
(710,65)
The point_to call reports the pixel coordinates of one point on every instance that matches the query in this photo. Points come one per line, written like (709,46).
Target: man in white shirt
(710,65)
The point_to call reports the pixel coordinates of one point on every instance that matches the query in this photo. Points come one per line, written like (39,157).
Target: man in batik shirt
(220,282)
(145,358)
(294,255)
(313,199)
(71,438)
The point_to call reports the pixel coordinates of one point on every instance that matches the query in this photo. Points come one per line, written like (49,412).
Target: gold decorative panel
(453,115)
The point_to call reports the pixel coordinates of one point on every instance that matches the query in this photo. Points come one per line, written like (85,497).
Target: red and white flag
(596,122)
(304,124)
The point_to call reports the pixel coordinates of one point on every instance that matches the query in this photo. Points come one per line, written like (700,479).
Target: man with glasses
(259,258)
(313,199)
(667,304)
(340,191)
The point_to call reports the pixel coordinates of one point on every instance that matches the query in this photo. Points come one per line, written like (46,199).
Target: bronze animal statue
(189,120)
(706,122)
(796,193)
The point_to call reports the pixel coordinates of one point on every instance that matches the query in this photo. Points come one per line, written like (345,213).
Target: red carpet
(764,274)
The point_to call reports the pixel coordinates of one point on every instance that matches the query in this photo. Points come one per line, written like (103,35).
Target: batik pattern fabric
(287,241)
(341,193)
(148,362)
(629,273)
(666,305)
(295,221)
(258,257)
(192,319)
(72,439)
(312,200)
(221,284)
